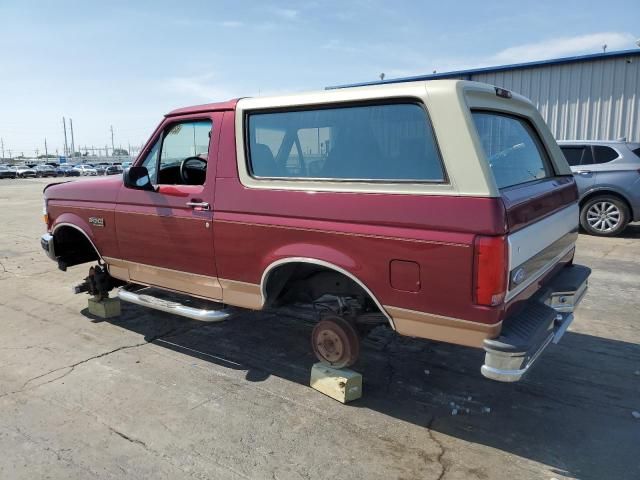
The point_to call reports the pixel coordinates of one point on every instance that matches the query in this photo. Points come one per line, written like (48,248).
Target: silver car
(24,171)
(86,169)
(608,178)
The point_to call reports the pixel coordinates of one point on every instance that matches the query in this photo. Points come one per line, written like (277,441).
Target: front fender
(73,220)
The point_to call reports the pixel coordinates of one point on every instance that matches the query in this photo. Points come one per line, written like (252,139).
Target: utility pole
(66,148)
(112,147)
(46,152)
(73,145)
(2,145)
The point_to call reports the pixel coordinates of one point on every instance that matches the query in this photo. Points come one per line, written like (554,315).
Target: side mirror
(138,179)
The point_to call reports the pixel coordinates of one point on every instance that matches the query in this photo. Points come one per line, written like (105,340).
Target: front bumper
(543,321)
(47,244)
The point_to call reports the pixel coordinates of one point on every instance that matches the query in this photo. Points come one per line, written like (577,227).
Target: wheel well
(610,193)
(72,247)
(306,282)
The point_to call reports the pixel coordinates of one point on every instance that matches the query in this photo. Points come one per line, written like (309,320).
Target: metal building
(588,97)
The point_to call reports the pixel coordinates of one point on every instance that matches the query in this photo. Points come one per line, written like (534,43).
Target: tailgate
(536,186)
(539,246)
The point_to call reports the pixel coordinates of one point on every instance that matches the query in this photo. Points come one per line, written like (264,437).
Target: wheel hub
(603,216)
(335,342)
(330,345)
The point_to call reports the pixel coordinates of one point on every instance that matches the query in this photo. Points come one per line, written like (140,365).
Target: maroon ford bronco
(444,210)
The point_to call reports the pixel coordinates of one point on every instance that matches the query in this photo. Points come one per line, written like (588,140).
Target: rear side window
(578,155)
(602,154)
(390,142)
(512,148)
(573,155)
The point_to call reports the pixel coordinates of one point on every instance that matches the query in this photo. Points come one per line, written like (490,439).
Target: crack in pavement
(444,468)
(127,437)
(71,368)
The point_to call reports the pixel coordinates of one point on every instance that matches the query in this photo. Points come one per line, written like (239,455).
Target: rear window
(512,148)
(390,142)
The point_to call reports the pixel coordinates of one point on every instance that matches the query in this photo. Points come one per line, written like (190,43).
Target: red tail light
(491,267)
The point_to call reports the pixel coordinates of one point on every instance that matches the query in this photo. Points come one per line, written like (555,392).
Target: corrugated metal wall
(594,100)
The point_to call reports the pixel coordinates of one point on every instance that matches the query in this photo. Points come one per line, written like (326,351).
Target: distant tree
(119,152)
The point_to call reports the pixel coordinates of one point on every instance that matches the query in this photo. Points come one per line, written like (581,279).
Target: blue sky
(125,63)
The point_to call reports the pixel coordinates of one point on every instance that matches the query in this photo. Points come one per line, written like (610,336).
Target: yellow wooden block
(340,384)
(107,308)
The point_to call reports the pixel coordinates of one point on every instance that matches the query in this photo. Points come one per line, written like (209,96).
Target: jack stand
(104,308)
(341,384)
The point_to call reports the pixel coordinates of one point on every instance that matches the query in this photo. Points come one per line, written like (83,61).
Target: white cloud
(199,87)
(231,24)
(287,13)
(340,46)
(564,46)
(543,50)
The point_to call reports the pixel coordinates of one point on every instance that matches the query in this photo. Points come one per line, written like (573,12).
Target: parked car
(101,167)
(86,169)
(45,171)
(68,171)
(113,170)
(608,178)
(126,165)
(443,210)
(6,172)
(23,171)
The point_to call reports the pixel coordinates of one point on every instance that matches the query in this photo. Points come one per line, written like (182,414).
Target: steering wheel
(184,168)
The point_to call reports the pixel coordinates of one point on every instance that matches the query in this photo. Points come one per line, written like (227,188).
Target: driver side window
(179,142)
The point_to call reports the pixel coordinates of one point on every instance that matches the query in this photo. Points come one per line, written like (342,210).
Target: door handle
(199,205)
(584,172)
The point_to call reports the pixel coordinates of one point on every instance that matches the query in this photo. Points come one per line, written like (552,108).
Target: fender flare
(315,261)
(608,189)
(58,225)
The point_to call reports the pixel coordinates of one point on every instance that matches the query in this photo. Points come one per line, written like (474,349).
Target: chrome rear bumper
(543,321)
